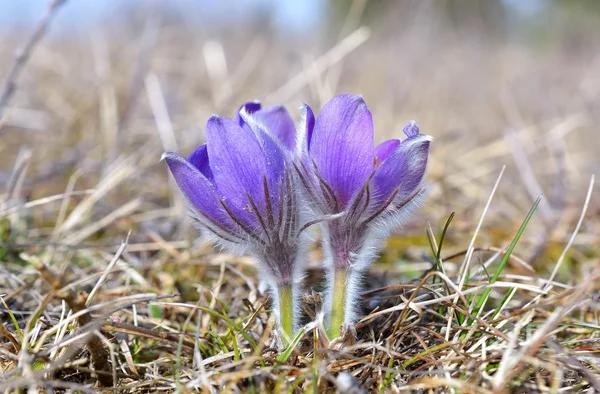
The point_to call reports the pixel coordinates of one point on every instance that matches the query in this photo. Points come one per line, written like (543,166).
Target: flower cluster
(259,182)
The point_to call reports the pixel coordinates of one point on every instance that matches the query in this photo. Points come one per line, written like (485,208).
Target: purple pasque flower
(240,190)
(359,193)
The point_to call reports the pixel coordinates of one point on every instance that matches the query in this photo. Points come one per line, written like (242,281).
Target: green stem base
(338,304)
(286,313)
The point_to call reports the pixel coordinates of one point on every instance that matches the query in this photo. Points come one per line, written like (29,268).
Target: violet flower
(359,193)
(240,191)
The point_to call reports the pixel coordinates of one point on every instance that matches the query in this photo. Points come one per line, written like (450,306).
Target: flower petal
(384,150)
(196,188)
(305,130)
(342,145)
(239,162)
(250,107)
(279,123)
(403,169)
(199,159)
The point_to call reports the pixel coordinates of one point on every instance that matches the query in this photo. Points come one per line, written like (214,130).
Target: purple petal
(411,129)
(250,108)
(307,125)
(239,162)
(279,123)
(198,190)
(342,145)
(272,148)
(403,169)
(199,159)
(384,150)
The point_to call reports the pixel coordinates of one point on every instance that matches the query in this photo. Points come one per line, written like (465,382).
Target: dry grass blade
(77,303)
(24,54)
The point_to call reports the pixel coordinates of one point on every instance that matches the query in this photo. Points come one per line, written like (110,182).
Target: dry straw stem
(77,303)
(25,52)
(511,364)
(320,65)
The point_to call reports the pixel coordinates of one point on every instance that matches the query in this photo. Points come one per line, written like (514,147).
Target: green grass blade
(236,348)
(419,356)
(438,260)
(442,237)
(218,341)
(482,300)
(288,350)
(232,325)
(504,301)
(14,320)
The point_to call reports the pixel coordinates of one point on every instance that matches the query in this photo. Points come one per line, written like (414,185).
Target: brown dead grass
(105,286)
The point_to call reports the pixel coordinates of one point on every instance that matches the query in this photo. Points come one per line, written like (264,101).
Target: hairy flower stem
(286,313)
(338,304)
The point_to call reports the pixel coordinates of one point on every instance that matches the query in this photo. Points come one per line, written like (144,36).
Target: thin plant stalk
(286,313)
(338,304)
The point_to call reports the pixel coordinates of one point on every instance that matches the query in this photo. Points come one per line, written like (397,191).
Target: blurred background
(113,84)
